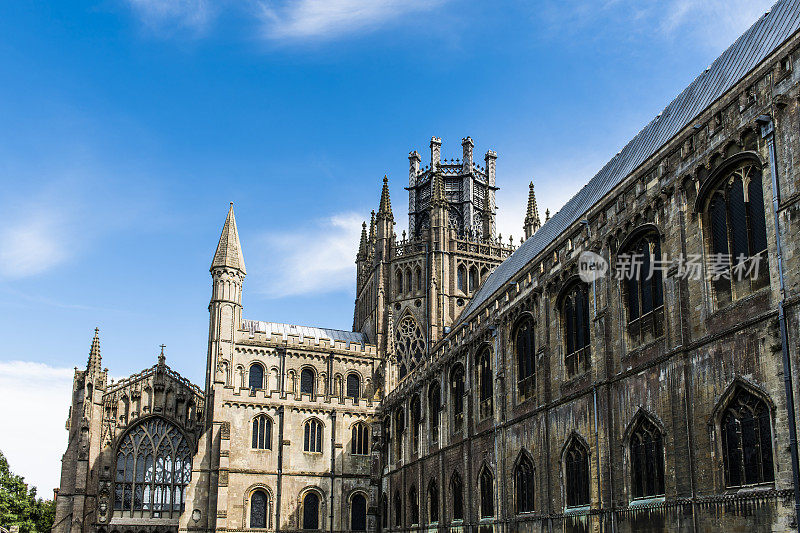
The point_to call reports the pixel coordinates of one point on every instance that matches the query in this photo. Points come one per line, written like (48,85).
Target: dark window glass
(312,437)
(484,383)
(385,512)
(358,513)
(256,379)
(523,481)
(576,329)
(747,441)
(462,274)
(353,385)
(433,502)
(457,495)
(154,465)
(258,510)
(398,509)
(738,221)
(487,494)
(311,511)
(525,348)
(457,396)
(398,280)
(360,439)
(647,460)
(416,416)
(755,204)
(307,381)
(413,504)
(577,474)
(473,279)
(433,411)
(262,433)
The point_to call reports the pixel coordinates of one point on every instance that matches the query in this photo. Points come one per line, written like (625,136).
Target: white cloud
(329,18)
(716,22)
(34,404)
(312,260)
(161,14)
(32,239)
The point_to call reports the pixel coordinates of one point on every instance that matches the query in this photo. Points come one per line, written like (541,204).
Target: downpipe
(768,133)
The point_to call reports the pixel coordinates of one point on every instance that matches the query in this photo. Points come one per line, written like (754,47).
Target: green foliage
(19,505)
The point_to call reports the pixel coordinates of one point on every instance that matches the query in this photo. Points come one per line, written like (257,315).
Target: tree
(19,505)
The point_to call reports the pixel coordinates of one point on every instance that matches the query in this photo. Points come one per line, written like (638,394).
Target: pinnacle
(438,189)
(94,353)
(362,247)
(385,207)
(229,250)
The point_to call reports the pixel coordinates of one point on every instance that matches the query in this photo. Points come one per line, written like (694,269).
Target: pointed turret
(532,221)
(229,250)
(438,190)
(385,207)
(93,365)
(362,246)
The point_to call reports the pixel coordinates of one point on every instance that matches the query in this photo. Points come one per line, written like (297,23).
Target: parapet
(308,337)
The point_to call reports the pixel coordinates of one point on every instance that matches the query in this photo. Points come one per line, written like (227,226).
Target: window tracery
(647,460)
(747,440)
(409,345)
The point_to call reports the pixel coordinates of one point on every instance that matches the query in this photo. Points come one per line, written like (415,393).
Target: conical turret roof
(385,207)
(229,250)
(94,364)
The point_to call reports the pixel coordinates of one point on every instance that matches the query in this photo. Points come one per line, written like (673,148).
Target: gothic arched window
(484,369)
(262,433)
(734,211)
(523,484)
(575,314)
(409,344)
(486,485)
(433,502)
(641,265)
(409,280)
(457,395)
(255,378)
(259,505)
(358,512)
(311,510)
(413,503)
(385,511)
(353,385)
(457,496)
(418,277)
(461,278)
(398,281)
(312,436)
(434,406)
(647,460)
(359,442)
(154,465)
(416,416)
(473,278)
(576,471)
(399,428)
(307,379)
(747,440)
(525,350)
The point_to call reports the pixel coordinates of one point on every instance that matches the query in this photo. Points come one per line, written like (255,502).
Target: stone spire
(94,354)
(372,227)
(229,250)
(385,208)
(532,221)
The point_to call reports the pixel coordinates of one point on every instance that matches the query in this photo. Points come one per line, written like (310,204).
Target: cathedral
(629,365)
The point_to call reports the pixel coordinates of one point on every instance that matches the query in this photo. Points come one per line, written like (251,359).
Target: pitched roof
(229,250)
(750,49)
(304,332)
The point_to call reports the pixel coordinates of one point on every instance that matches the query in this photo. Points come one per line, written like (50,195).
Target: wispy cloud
(321,19)
(32,241)
(279,20)
(160,15)
(314,260)
(34,444)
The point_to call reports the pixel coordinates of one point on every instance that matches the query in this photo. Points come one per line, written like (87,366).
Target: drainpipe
(280,471)
(333,465)
(594,395)
(768,133)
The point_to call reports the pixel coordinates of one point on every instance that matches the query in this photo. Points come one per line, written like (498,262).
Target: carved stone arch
(565,286)
(642,413)
(574,436)
(639,231)
(721,173)
(737,383)
(523,453)
(248,494)
(323,503)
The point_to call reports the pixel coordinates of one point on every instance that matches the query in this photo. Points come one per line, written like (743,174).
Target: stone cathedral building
(632,365)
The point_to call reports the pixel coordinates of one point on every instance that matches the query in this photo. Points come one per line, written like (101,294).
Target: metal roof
(304,332)
(749,50)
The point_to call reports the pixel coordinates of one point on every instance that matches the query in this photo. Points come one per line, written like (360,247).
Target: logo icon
(591,266)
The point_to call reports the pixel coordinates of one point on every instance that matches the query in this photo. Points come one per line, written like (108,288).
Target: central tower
(411,288)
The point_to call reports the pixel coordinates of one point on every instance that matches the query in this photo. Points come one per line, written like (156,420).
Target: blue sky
(128,126)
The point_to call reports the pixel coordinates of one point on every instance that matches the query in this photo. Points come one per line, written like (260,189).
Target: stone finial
(162,359)
(362,245)
(229,249)
(372,227)
(546,215)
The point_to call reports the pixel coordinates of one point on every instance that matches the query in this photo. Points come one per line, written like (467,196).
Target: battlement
(308,337)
